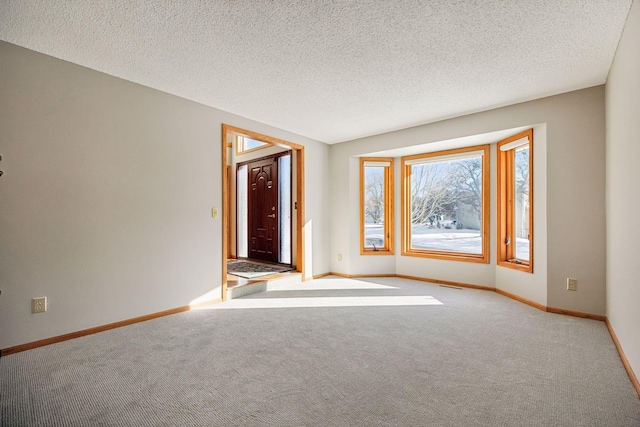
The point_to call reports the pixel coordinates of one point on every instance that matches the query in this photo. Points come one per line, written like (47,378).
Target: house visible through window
(376,206)
(445,209)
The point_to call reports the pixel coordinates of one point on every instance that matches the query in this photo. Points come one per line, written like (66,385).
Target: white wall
(106,197)
(623,191)
(570,158)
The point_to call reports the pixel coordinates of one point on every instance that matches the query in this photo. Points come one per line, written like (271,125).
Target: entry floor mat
(252,269)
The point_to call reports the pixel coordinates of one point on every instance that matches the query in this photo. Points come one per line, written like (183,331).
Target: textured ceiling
(333,70)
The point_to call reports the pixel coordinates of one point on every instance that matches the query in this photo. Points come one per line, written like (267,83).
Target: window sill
(449,256)
(527,268)
(376,252)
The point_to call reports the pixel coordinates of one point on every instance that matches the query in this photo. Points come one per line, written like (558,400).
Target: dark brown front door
(263,209)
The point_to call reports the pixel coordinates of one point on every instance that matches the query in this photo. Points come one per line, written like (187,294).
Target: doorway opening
(263,196)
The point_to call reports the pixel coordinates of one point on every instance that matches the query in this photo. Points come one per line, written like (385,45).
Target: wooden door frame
(299,207)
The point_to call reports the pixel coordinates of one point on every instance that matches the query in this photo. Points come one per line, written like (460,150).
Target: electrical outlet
(572,284)
(339,257)
(39,305)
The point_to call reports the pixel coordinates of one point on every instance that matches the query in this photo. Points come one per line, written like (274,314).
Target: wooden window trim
(406,210)
(388,207)
(505,212)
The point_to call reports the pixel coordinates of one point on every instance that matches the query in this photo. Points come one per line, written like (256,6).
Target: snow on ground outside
(441,239)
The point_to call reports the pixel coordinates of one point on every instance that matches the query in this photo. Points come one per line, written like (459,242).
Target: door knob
(272,216)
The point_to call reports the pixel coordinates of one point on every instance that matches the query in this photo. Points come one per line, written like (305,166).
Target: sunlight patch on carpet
(364,301)
(336,283)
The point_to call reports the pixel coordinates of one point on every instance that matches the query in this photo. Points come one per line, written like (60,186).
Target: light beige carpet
(334,352)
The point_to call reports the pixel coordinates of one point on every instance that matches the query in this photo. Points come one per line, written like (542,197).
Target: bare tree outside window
(374,194)
(522,202)
(468,185)
(446,205)
(431,192)
(376,197)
